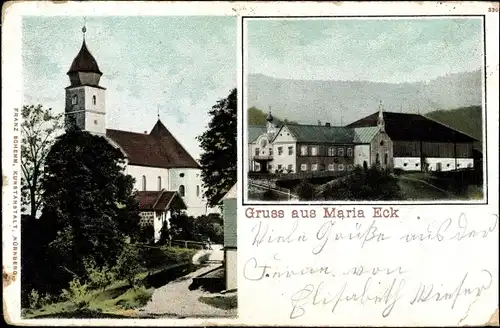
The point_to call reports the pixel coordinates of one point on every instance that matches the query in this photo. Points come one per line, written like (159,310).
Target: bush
(99,277)
(160,257)
(373,184)
(76,293)
(129,264)
(305,190)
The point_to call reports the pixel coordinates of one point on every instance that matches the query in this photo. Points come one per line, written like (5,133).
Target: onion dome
(84,69)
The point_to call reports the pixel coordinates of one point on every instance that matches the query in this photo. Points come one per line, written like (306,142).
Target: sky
(378,50)
(181,65)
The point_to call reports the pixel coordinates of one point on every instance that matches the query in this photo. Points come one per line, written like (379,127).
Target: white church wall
(190,178)
(361,154)
(151,174)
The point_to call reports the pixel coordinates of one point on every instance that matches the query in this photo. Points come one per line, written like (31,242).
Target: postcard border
(244,176)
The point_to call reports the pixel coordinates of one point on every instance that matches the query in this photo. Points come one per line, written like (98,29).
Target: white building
(166,176)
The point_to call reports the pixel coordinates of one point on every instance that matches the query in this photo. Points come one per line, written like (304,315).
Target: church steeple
(84,69)
(85,99)
(380,120)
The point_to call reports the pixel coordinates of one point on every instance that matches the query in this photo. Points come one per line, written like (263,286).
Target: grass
(438,186)
(119,300)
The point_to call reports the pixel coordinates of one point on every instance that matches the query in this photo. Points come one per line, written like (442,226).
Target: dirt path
(176,300)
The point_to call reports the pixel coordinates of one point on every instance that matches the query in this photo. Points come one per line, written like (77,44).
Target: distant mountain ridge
(342,102)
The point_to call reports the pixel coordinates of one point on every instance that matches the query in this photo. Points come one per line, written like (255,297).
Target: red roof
(84,62)
(159,148)
(160,200)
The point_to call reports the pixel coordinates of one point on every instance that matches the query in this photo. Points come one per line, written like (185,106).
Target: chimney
(327,124)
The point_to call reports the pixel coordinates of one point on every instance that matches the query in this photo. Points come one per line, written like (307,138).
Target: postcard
(247,163)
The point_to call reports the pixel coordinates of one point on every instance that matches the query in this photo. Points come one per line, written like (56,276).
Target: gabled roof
(160,200)
(321,133)
(231,194)
(159,148)
(365,135)
(84,62)
(409,127)
(254,131)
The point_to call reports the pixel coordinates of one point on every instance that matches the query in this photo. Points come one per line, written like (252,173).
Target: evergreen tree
(218,161)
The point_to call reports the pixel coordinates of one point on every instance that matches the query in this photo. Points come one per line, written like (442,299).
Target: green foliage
(36,301)
(202,228)
(89,206)
(145,234)
(164,234)
(258,117)
(38,131)
(160,257)
(219,157)
(305,190)
(76,293)
(98,277)
(129,264)
(466,119)
(373,184)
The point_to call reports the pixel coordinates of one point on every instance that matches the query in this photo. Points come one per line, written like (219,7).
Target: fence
(283,192)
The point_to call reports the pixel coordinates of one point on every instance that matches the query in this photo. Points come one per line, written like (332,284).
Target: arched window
(93,100)
(182,190)
(143,183)
(386,158)
(159,183)
(74,100)
(377,159)
(197,190)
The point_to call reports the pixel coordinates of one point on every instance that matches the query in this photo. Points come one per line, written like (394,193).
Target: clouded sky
(181,64)
(400,50)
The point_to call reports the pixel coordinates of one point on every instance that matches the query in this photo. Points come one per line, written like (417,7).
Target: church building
(167,177)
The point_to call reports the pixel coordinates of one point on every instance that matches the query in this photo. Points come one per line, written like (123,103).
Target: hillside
(257,116)
(465,119)
(342,102)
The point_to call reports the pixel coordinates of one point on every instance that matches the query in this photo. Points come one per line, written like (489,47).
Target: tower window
(143,183)
(159,183)
(181,175)
(386,158)
(93,100)
(182,190)
(197,191)
(74,100)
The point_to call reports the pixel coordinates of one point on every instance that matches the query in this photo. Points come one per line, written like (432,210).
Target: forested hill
(258,117)
(464,119)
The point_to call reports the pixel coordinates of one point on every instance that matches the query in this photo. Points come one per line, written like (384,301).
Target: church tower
(85,99)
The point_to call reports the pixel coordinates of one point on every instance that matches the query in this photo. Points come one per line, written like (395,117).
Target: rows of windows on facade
(160,165)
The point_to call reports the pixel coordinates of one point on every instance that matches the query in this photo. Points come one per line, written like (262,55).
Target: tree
(219,157)
(38,131)
(88,195)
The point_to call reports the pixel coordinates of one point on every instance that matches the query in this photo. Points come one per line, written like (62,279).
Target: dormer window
(74,100)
